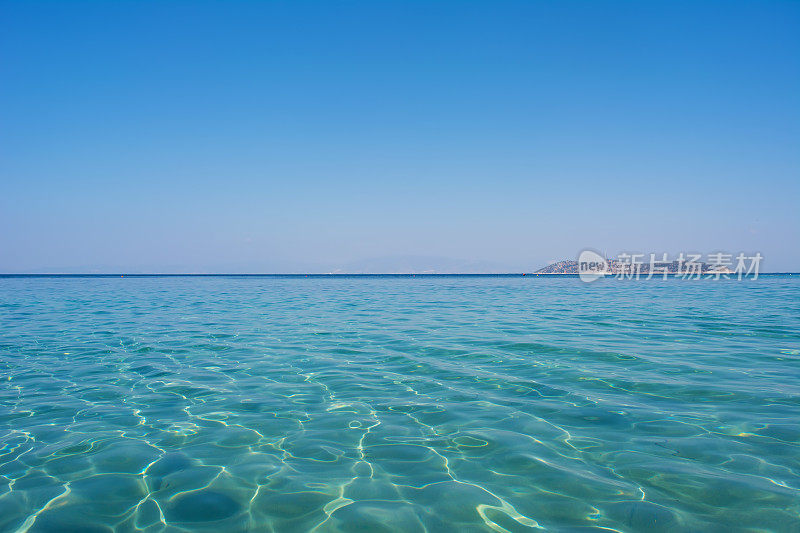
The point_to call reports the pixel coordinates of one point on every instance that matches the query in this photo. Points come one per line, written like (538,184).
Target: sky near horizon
(359,136)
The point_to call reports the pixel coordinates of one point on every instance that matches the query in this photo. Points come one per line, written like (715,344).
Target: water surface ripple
(399,404)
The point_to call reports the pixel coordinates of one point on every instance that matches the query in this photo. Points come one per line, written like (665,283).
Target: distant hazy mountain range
(422,265)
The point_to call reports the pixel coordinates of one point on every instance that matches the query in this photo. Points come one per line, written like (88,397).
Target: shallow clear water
(399,403)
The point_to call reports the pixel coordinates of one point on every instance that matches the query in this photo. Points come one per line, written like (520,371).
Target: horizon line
(315,274)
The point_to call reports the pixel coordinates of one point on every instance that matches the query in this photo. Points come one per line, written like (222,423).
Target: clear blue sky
(314,136)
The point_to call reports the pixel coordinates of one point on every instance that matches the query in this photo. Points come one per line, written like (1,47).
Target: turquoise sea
(399,403)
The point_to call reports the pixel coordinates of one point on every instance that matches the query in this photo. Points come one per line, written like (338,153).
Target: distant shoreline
(348,275)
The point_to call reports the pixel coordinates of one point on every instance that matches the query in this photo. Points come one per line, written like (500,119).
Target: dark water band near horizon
(398,403)
(642,277)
